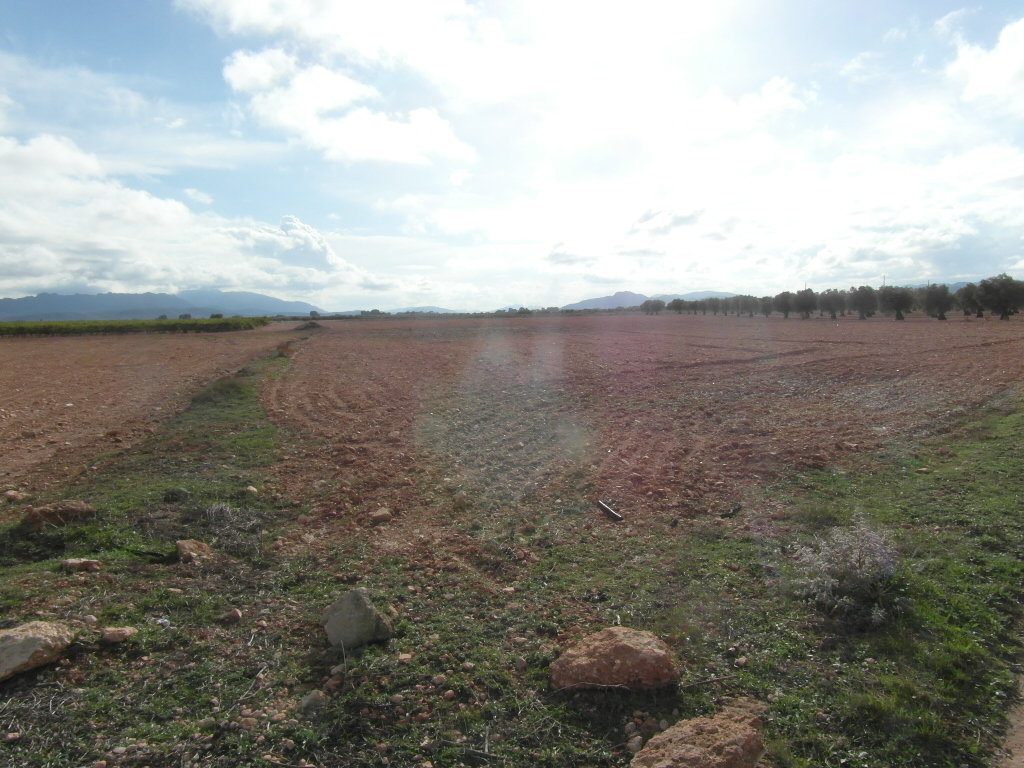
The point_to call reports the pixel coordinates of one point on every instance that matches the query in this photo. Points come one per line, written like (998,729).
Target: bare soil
(668,418)
(64,400)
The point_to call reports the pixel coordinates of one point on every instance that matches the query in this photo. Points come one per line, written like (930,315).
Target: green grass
(929,687)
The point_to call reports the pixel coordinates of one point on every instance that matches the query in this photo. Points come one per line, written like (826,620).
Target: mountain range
(140,306)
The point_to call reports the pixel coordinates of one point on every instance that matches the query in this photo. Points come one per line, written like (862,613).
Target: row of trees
(1001,295)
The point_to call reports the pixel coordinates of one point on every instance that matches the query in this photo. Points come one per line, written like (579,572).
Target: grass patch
(924,685)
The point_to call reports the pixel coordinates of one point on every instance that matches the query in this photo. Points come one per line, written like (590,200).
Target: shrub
(227,388)
(847,572)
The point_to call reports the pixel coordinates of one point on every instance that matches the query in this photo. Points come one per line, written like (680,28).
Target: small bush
(847,572)
(227,388)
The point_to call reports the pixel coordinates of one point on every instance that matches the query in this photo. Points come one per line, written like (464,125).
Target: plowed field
(668,417)
(65,399)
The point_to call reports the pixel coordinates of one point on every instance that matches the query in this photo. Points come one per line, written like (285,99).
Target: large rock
(730,739)
(193,551)
(58,513)
(352,621)
(32,645)
(616,656)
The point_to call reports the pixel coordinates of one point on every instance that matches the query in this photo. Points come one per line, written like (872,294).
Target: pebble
(630,727)
(250,489)
(741,661)
(520,664)
(90,619)
(314,700)
(404,658)
(635,744)
(448,695)
(438,679)
(12,736)
(468,666)
(118,634)
(231,617)
(382,515)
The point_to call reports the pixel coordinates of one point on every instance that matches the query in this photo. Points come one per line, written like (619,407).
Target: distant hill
(140,306)
(620,299)
(438,310)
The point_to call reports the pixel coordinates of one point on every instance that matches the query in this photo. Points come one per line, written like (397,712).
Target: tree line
(1001,295)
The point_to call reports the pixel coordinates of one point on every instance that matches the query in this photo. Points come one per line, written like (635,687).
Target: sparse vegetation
(924,684)
(78,327)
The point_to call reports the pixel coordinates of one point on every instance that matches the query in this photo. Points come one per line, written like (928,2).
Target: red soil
(65,399)
(668,417)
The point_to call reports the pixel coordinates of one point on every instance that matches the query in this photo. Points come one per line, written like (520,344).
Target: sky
(474,154)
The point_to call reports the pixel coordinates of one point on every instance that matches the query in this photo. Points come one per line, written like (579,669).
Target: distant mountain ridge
(630,299)
(140,306)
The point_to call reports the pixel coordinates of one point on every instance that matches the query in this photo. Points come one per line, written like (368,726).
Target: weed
(848,572)
(223,389)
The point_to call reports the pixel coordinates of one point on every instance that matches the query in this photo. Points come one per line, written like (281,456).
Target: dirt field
(666,417)
(64,400)
(490,440)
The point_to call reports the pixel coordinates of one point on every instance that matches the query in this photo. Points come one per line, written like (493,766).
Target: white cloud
(994,77)
(65,221)
(249,72)
(199,197)
(315,103)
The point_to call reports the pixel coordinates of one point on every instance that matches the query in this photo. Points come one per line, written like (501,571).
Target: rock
(635,744)
(79,565)
(191,551)
(231,617)
(352,621)
(118,634)
(13,496)
(32,645)
(314,700)
(56,514)
(251,489)
(382,515)
(177,495)
(616,656)
(729,739)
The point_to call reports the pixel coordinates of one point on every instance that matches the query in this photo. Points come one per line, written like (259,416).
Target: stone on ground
(352,621)
(118,634)
(382,515)
(616,656)
(32,645)
(729,739)
(77,564)
(191,551)
(58,513)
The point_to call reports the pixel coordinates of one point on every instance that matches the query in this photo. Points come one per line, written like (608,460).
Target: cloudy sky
(478,153)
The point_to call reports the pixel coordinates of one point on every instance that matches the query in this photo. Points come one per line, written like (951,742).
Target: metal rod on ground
(608,510)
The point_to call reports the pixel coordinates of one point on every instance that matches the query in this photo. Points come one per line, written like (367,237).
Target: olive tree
(784,303)
(892,298)
(676,305)
(969,301)
(805,302)
(1001,294)
(832,301)
(864,300)
(937,300)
